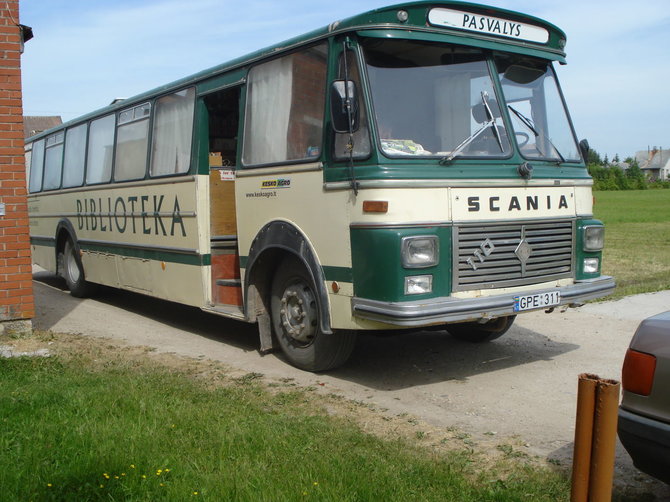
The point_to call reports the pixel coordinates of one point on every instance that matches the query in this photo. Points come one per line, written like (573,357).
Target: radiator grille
(501,255)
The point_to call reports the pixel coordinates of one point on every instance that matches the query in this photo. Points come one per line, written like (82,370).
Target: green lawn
(102,427)
(637,239)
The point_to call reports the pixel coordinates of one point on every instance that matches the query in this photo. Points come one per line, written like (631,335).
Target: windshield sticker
(469,21)
(227,174)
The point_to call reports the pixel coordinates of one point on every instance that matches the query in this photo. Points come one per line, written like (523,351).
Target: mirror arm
(347,105)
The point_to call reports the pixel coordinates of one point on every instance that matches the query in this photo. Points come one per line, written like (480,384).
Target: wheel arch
(64,230)
(275,242)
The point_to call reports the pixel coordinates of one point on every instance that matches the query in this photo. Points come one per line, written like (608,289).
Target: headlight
(419,251)
(591,265)
(594,238)
(418,284)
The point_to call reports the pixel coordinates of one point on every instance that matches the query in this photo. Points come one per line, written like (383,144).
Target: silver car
(644,414)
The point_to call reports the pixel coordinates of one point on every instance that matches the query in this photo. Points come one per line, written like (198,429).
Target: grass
(637,239)
(96,425)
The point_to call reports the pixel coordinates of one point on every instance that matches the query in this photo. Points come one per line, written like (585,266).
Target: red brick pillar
(16,287)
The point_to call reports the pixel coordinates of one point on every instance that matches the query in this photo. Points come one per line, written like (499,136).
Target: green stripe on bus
(149,254)
(342,274)
(43,241)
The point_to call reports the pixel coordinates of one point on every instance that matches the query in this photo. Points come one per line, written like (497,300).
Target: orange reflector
(375,206)
(638,372)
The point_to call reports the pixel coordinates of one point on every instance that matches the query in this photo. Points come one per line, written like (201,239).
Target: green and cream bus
(414,166)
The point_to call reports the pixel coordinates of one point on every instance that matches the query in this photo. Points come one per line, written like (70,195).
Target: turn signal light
(375,206)
(638,372)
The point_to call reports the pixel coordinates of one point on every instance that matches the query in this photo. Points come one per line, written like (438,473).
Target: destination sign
(469,21)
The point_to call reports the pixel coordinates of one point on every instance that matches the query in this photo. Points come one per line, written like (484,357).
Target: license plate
(538,301)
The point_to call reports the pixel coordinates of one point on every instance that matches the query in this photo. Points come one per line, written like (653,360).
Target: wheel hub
(298,313)
(72,267)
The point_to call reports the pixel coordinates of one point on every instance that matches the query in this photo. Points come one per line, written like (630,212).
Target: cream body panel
(322,217)
(481,293)
(522,203)
(584,202)
(44,256)
(406,206)
(168,218)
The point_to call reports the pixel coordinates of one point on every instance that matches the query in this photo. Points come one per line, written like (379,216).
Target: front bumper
(445,310)
(647,441)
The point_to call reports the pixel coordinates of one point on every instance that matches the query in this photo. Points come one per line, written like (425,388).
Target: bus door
(223,114)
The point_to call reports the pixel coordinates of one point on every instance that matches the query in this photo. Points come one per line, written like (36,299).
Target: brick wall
(16,287)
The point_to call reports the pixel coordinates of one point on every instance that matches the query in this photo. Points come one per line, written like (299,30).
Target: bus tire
(73,272)
(475,332)
(295,321)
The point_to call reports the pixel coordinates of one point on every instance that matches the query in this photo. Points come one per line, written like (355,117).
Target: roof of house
(34,125)
(653,159)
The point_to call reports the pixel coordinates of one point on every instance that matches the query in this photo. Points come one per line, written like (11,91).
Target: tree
(635,175)
(593,158)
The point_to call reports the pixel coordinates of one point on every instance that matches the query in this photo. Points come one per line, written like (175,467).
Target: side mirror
(344,112)
(584,148)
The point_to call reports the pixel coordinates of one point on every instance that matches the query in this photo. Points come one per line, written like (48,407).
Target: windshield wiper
(526,121)
(529,124)
(491,122)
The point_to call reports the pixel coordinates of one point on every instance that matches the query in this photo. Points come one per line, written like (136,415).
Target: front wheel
(475,332)
(295,321)
(73,272)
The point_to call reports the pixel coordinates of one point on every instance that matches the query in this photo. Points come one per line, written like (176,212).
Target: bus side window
(75,156)
(53,161)
(361,138)
(132,141)
(100,149)
(173,133)
(36,166)
(285,108)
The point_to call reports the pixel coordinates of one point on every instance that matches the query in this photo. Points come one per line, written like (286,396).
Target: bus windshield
(434,100)
(539,118)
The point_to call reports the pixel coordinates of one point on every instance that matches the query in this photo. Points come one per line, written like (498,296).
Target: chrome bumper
(444,310)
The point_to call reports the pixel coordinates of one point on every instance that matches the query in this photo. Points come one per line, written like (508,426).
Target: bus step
(236,283)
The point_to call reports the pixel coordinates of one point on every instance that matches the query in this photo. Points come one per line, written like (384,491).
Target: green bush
(615,178)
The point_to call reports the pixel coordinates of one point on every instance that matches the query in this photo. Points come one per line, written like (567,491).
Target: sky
(88,52)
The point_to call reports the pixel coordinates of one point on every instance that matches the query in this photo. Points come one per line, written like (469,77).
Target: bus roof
(457,22)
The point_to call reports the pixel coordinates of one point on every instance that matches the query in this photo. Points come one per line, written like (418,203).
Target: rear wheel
(475,332)
(295,320)
(73,272)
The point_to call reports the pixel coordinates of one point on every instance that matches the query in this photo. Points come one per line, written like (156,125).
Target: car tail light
(638,372)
